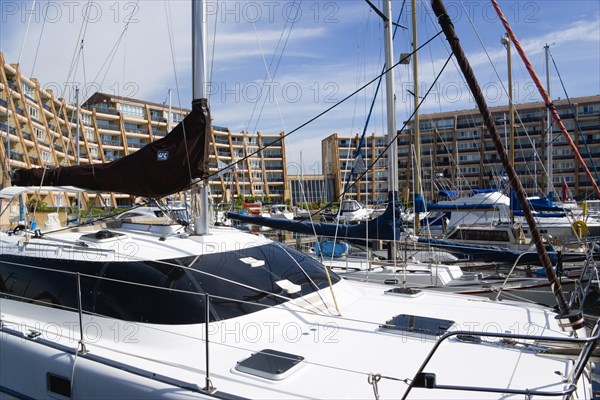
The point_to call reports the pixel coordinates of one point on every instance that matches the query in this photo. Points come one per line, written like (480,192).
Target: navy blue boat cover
(158,169)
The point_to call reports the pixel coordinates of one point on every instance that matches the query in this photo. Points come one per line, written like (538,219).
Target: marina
(182,267)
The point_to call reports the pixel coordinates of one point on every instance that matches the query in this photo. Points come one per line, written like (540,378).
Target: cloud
(313,60)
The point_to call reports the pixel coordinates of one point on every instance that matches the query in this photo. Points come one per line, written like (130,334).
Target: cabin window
(167,291)
(481,235)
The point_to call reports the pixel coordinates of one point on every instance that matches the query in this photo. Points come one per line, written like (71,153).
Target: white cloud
(332,49)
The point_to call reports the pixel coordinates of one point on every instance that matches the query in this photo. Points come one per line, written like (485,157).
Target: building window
(134,111)
(87,119)
(58,200)
(46,157)
(33,112)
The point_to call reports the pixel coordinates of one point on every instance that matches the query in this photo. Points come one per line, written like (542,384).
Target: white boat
(350,212)
(281,211)
(124,310)
(301,213)
(491,207)
(114,310)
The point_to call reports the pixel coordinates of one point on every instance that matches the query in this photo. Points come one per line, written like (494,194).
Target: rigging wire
(168,16)
(576,119)
(403,127)
(33,2)
(319,115)
(37,49)
(268,76)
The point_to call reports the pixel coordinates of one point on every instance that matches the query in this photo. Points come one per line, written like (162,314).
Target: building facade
(39,129)
(310,189)
(458,154)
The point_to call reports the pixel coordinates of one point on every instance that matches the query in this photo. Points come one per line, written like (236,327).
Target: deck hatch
(270,364)
(417,325)
(103,235)
(404,292)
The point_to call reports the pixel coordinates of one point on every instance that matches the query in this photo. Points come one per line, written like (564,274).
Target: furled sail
(158,169)
(384,227)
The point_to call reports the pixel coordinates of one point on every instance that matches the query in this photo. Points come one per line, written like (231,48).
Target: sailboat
(121,309)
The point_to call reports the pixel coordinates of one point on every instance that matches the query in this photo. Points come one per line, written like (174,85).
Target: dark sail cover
(158,169)
(384,227)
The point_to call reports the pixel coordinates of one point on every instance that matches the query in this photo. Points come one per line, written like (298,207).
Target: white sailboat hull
(127,359)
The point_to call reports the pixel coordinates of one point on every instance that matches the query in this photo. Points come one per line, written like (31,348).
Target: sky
(275,65)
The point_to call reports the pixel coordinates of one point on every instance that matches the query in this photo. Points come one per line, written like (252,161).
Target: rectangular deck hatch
(270,364)
(102,236)
(417,325)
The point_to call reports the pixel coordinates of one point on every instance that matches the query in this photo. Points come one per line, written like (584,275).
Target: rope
(373,380)
(374,162)
(576,119)
(26,31)
(311,120)
(547,100)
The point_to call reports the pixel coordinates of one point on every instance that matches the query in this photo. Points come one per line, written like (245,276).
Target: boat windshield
(350,206)
(168,291)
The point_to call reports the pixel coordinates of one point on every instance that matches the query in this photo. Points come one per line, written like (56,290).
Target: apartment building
(457,152)
(38,128)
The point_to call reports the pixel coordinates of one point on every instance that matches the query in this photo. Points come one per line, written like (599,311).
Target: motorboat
(281,211)
(350,211)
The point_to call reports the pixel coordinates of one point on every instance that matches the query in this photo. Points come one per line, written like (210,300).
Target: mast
(417,203)
(505,40)
(575,319)
(170,114)
(200,210)
(547,100)
(549,155)
(77,160)
(391,109)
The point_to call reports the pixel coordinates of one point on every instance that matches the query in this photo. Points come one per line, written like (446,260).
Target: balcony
(7,128)
(116,143)
(105,110)
(135,145)
(17,156)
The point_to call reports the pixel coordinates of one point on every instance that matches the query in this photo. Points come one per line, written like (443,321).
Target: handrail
(510,273)
(423,380)
(209,388)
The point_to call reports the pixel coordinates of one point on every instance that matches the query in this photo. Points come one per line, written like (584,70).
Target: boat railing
(514,266)
(420,380)
(34,333)
(427,380)
(589,275)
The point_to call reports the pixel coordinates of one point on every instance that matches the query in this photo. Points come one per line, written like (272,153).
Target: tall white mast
(391,109)
(416,127)
(199,87)
(77,160)
(549,162)
(390,97)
